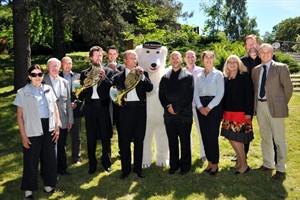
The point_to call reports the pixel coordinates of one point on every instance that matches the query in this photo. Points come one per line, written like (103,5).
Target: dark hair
(95,48)
(31,68)
(113,48)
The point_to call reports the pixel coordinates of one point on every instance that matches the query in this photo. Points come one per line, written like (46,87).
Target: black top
(238,95)
(177,88)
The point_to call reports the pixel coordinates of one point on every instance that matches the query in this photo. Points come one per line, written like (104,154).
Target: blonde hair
(241,67)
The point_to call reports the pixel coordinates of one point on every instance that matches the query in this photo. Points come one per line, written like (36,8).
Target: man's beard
(252,52)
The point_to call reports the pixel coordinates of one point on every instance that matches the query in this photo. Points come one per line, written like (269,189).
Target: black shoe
(238,172)
(279,176)
(92,171)
(65,173)
(108,169)
(263,168)
(184,171)
(30,197)
(140,175)
(207,170)
(50,192)
(172,171)
(213,173)
(123,176)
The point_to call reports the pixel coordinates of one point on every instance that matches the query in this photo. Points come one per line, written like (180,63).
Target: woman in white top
(38,121)
(208,93)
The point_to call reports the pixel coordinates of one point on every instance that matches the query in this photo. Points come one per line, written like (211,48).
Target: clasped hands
(204,110)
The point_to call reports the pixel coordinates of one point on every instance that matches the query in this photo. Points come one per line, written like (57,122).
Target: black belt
(44,119)
(206,97)
(135,103)
(262,100)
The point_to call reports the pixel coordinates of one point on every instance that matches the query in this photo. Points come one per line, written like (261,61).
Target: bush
(294,67)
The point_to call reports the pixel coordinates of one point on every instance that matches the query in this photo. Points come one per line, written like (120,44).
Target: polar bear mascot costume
(152,57)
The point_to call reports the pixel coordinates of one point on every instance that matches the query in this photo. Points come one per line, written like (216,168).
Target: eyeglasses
(36,74)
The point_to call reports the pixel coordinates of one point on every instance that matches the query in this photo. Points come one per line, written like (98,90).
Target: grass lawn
(158,184)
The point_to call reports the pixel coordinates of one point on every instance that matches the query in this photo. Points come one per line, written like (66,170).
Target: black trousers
(76,139)
(98,126)
(132,128)
(210,128)
(183,131)
(61,151)
(42,149)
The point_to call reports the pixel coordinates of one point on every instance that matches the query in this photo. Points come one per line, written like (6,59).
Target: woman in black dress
(238,109)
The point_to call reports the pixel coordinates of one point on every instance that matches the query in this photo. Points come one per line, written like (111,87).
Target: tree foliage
(229,16)
(287,31)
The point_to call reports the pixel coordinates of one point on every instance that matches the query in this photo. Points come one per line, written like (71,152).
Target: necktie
(263,82)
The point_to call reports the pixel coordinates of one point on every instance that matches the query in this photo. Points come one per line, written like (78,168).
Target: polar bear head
(152,56)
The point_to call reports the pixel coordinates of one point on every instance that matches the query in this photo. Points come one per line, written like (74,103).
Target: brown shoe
(263,168)
(279,176)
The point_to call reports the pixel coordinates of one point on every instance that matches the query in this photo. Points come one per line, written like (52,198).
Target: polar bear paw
(145,165)
(162,164)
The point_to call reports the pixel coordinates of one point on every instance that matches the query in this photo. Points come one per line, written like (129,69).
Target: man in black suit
(96,110)
(132,116)
(112,57)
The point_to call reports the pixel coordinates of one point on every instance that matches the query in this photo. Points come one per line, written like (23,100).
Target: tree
(229,16)
(22,51)
(287,30)
(215,12)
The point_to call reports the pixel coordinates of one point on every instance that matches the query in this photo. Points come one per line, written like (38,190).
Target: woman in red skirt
(238,109)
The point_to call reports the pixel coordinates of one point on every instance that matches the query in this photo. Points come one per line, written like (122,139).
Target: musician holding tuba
(132,114)
(96,82)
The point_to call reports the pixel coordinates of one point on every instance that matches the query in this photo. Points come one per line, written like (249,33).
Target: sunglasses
(36,74)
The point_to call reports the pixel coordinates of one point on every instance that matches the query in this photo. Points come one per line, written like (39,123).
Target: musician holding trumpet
(132,112)
(96,82)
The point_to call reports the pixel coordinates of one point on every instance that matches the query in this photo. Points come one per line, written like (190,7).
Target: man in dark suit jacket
(273,89)
(96,109)
(71,76)
(132,116)
(112,57)
(62,91)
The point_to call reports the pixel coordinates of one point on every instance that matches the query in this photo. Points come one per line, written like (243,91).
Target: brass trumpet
(92,78)
(117,95)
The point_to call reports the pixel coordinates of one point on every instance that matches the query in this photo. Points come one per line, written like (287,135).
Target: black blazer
(78,111)
(103,87)
(142,87)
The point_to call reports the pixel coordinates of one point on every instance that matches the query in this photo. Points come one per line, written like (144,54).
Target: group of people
(252,85)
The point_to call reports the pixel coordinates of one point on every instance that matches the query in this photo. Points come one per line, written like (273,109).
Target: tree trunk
(22,51)
(58,30)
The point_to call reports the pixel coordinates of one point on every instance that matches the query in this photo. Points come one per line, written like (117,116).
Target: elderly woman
(208,93)
(238,109)
(38,121)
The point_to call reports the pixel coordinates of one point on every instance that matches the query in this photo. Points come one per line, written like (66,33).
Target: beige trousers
(271,128)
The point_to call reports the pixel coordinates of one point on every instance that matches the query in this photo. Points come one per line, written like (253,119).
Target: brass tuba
(117,95)
(92,78)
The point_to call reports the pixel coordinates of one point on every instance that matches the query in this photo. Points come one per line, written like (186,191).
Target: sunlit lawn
(158,184)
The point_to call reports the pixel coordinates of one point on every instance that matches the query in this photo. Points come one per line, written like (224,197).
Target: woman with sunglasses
(38,121)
